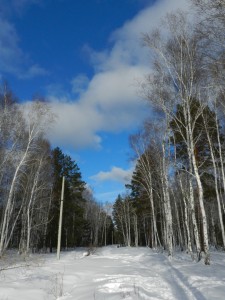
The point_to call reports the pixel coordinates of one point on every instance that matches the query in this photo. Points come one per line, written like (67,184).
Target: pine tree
(73,212)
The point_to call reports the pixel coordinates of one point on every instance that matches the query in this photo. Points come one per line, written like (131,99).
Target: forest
(31,181)
(176,198)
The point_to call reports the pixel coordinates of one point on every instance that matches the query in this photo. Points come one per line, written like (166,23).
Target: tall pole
(105,232)
(60,219)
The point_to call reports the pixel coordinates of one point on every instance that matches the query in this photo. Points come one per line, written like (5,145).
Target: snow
(111,273)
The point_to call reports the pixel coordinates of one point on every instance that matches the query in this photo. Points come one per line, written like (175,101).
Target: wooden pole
(60,219)
(105,232)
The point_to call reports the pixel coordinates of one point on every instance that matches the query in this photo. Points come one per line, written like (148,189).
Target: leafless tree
(29,129)
(178,79)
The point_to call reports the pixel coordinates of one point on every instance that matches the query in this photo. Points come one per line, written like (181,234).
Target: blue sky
(86,58)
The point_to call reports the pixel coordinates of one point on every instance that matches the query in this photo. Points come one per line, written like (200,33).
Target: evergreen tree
(73,210)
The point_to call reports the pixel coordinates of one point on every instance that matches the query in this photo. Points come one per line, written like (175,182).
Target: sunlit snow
(111,273)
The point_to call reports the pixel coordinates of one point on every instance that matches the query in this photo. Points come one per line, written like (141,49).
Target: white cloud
(109,104)
(110,101)
(115,174)
(76,124)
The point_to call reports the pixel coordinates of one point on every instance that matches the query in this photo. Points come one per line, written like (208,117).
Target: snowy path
(116,273)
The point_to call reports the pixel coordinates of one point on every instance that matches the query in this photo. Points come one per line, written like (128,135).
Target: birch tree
(147,151)
(37,193)
(36,119)
(178,79)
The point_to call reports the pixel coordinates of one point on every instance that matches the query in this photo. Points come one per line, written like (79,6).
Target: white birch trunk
(10,204)
(167,206)
(135,230)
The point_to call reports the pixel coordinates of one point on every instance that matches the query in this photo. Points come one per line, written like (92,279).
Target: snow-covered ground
(112,273)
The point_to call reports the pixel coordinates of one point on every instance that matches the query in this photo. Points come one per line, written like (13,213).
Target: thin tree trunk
(168,213)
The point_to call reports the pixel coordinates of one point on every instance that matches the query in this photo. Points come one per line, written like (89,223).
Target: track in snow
(130,273)
(113,273)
